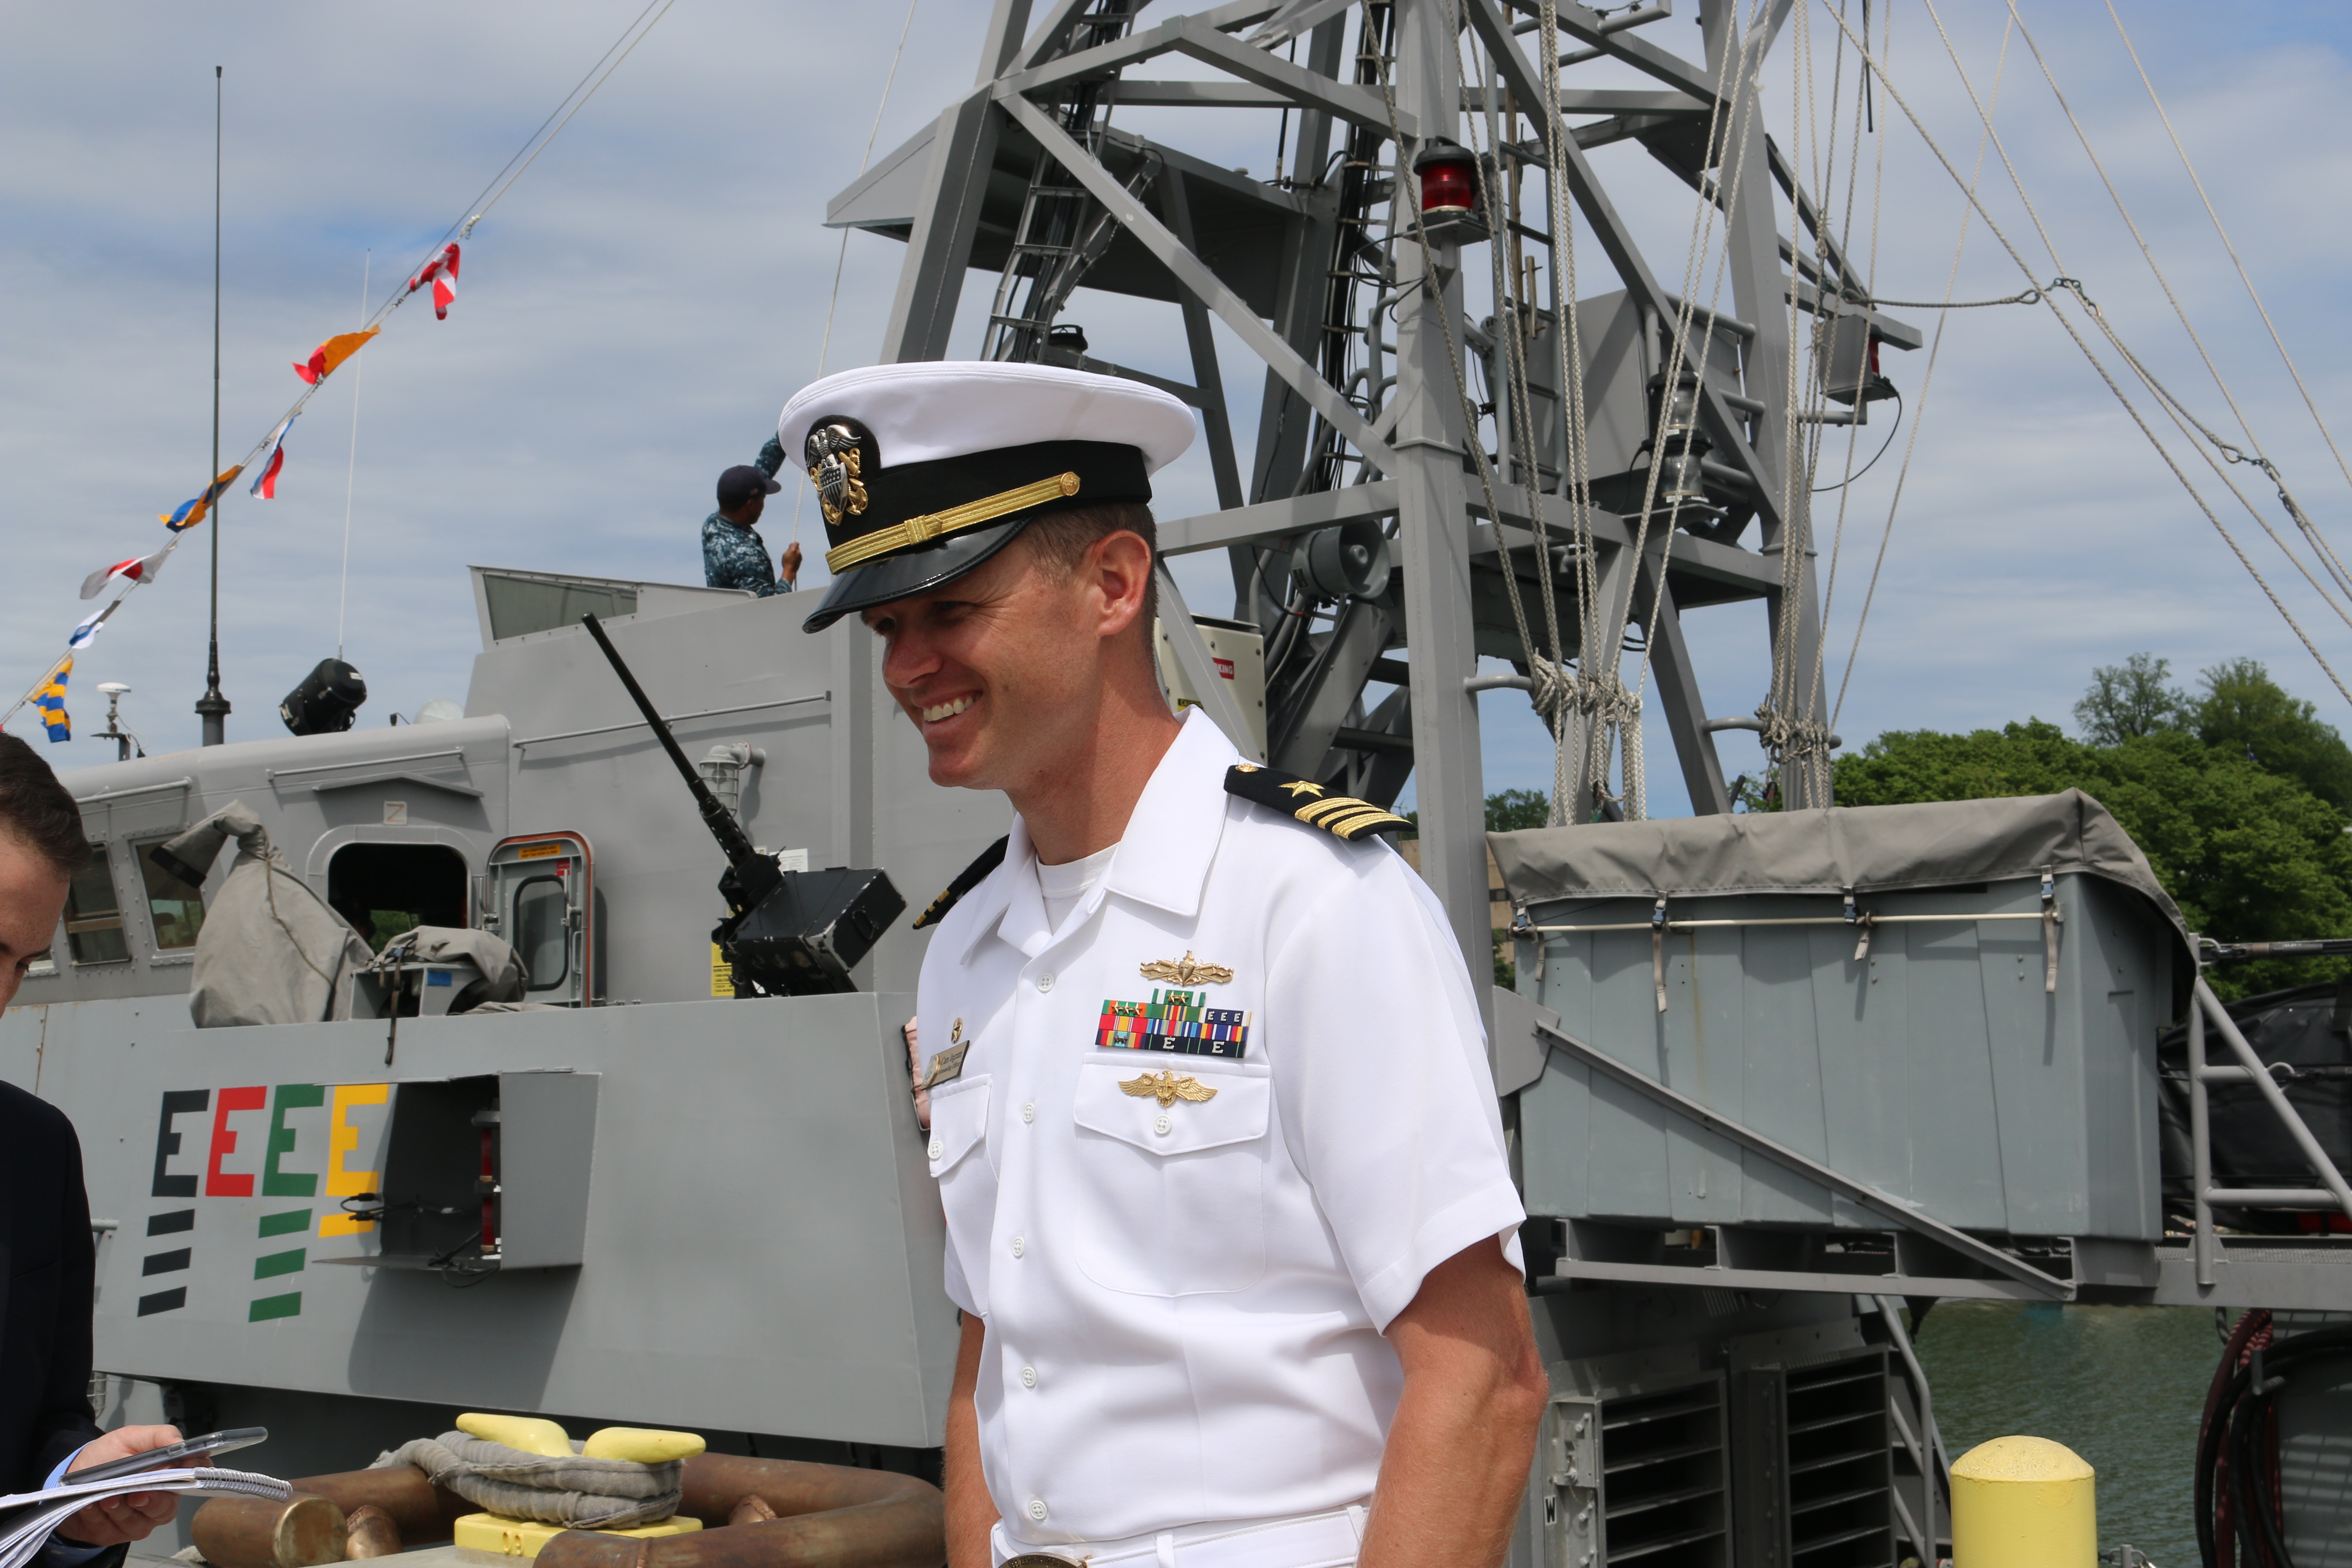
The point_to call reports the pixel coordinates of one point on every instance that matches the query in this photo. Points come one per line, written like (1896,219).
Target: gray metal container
(1943,1065)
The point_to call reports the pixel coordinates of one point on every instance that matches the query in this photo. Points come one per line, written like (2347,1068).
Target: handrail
(135,789)
(2259,1075)
(2333,1191)
(1798,921)
(274,774)
(673,718)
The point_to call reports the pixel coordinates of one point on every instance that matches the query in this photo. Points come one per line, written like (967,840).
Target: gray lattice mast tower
(1362,457)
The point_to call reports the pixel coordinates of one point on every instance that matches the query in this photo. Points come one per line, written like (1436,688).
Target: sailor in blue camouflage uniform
(733,554)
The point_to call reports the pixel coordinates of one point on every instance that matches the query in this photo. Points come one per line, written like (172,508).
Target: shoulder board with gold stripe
(1342,816)
(966,880)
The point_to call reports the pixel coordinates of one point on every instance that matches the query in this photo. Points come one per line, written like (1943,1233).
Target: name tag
(945,1066)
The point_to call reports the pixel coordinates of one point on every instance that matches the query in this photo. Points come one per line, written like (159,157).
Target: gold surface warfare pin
(1185,972)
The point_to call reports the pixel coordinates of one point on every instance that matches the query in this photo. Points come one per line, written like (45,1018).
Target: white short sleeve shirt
(1185,1259)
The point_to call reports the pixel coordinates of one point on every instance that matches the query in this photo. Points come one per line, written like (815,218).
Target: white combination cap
(924,470)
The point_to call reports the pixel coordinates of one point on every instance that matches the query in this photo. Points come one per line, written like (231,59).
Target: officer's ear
(1120,565)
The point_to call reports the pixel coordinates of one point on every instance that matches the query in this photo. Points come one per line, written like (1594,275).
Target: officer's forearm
(1465,1432)
(970,1512)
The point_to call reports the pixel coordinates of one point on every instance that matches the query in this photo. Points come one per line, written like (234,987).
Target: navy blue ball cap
(740,483)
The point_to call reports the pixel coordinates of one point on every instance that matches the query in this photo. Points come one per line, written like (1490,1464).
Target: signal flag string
(437,270)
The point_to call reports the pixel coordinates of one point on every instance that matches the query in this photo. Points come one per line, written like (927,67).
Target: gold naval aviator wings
(1168,1089)
(1341,815)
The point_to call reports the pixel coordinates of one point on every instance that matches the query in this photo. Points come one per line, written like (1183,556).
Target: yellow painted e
(342,1139)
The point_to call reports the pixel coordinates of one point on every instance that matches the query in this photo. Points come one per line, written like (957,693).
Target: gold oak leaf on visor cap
(924,470)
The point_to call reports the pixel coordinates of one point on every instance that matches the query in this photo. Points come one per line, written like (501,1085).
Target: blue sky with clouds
(635,312)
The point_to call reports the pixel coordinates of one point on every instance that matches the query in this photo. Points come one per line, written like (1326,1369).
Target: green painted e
(277,1183)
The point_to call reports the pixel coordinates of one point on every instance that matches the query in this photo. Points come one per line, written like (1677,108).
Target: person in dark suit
(48,1261)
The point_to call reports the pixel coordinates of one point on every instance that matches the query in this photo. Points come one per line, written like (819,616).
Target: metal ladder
(1062,231)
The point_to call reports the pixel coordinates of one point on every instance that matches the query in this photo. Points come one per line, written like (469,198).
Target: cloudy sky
(639,306)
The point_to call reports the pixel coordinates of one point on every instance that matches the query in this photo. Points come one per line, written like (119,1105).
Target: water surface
(2123,1386)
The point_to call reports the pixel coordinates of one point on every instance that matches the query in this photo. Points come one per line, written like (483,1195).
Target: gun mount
(787,934)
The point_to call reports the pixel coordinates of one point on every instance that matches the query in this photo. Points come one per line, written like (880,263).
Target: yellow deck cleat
(526,1537)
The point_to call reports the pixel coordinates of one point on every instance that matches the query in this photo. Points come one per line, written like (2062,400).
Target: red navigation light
(1449,179)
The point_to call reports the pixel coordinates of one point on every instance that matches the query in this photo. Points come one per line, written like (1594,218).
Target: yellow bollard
(2023,1503)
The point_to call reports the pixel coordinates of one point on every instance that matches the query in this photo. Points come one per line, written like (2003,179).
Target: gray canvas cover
(583,1493)
(502,976)
(271,952)
(1867,848)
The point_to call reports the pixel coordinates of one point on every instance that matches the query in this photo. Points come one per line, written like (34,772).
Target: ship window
(94,915)
(541,941)
(384,889)
(176,908)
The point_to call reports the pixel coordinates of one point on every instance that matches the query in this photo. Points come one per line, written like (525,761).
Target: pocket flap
(1112,1101)
(959,1120)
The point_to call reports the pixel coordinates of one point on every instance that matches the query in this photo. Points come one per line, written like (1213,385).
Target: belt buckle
(1043,1560)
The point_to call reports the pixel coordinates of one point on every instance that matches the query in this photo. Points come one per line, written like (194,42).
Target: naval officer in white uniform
(1229,1215)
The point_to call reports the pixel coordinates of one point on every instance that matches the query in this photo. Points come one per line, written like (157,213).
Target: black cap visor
(903,577)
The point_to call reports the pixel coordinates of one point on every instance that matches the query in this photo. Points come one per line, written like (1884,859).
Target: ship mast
(1345,274)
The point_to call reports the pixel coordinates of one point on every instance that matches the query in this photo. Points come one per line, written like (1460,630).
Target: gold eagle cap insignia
(1167,1088)
(837,467)
(1185,972)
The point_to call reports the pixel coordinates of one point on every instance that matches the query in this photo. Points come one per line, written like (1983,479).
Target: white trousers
(1308,1541)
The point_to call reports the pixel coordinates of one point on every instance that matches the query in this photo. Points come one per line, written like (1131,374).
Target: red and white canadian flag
(441,273)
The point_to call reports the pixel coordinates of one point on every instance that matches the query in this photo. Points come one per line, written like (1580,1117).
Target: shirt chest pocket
(960,1162)
(1173,1152)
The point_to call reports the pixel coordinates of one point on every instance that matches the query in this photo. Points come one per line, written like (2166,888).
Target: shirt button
(1037,1507)
(1044,983)
(1019,1247)
(1159,1124)
(1028,1377)
(938,1148)
(1029,1112)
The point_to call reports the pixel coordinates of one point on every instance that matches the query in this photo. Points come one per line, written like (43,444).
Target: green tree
(1508,811)
(2243,711)
(2249,855)
(2129,699)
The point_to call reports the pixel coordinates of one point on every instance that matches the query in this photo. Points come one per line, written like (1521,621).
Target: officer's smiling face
(1002,669)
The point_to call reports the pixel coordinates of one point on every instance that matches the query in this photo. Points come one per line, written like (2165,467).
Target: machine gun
(787,934)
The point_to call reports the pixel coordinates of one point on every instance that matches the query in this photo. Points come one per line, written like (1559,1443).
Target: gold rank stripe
(1344,815)
(931,525)
(1373,816)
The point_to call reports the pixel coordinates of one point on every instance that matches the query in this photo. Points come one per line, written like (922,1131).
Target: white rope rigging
(1895,95)
(1927,377)
(1576,448)
(2174,409)
(1592,709)
(1853,426)
(2232,453)
(2251,293)
(1618,709)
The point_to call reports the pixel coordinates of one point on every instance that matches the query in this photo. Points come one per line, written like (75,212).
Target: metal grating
(1814,1462)
(1658,1479)
(1841,1478)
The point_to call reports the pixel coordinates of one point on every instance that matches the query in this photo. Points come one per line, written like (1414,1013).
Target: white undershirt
(1065,884)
